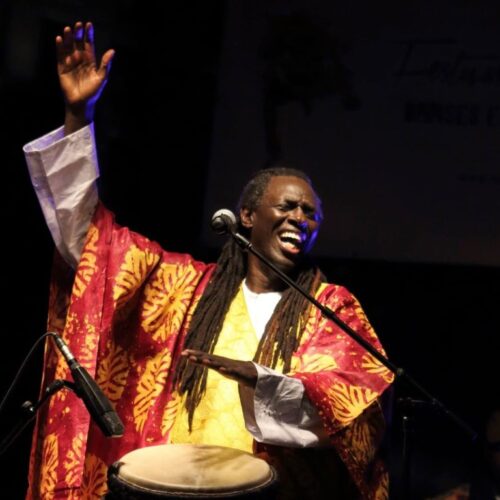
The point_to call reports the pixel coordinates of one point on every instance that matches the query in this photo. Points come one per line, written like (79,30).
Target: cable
(21,368)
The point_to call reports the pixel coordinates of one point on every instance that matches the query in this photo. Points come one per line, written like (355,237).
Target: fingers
(212,361)
(202,358)
(64,46)
(67,39)
(106,61)
(218,363)
(78,36)
(89,33)
(60,50)
(88,45)
(76,43)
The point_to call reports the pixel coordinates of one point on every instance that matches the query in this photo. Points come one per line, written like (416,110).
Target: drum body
(190,471)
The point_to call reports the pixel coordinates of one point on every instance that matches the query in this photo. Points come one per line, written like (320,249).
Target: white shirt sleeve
(278,412)
(63,171)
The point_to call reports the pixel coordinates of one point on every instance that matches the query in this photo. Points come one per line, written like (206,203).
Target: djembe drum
(190,471)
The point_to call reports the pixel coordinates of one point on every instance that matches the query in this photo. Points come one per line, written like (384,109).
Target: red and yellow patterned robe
(124,315)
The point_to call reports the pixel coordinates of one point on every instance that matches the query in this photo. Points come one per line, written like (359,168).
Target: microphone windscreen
(223,221)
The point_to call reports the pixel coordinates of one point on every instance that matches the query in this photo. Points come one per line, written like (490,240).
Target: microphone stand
(30,410)
(399,372)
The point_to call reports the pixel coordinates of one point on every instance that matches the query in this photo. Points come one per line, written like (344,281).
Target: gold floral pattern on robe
(172,285)
(136,266)
(171,410)
(73,464)
(88,262)
(112,371)
(150,386)
(94,484)
(50,462)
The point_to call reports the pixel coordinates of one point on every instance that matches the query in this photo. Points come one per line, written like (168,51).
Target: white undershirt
(63,171)
(260,307)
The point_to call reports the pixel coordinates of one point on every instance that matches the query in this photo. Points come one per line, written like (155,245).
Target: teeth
(291,236)
(293,241)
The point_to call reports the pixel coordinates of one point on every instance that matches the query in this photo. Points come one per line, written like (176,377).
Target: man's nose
(298,217)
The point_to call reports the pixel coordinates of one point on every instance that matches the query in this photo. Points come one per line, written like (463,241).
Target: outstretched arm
(81,79)
(63,164)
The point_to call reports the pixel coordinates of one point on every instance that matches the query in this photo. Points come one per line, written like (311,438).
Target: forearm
(63,171)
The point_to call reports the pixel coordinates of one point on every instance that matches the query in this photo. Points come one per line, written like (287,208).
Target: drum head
(190,470)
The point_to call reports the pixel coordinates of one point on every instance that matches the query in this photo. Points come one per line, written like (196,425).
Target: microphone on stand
(224,221)
(91,394)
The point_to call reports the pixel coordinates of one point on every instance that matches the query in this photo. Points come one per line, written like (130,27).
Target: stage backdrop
(393,108)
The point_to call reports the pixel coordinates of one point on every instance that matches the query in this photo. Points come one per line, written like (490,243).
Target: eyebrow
(305,204)
(306,207)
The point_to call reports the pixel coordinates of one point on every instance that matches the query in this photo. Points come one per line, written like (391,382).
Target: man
(143,320)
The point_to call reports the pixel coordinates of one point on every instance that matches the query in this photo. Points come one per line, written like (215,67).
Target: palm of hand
(79,78)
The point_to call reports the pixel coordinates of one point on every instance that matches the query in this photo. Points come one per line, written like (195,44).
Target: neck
(260,278)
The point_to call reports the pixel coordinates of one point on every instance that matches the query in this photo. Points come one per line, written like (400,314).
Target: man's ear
(246,218)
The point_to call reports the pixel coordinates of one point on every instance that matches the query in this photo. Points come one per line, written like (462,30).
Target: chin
(289,264)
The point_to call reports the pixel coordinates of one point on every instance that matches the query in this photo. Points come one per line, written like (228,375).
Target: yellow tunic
(218,420)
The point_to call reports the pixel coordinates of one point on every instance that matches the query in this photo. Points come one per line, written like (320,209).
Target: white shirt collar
(260,307)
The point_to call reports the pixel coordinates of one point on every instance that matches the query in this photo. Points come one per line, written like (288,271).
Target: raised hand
(244,372)
(81,80)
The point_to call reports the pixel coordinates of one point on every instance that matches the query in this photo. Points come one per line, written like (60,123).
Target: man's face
(285,224)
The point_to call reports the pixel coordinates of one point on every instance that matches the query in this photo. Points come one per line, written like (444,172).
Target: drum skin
(190,471)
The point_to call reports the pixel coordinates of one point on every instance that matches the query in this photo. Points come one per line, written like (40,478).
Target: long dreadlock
(283,331)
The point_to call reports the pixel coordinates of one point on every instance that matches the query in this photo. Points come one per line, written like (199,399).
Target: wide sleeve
(63,172)
(344,382)
(278,412)
(340,378)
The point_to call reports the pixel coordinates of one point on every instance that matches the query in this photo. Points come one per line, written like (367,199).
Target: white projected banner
(393,108)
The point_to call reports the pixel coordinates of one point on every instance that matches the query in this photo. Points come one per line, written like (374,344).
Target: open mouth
(291,242)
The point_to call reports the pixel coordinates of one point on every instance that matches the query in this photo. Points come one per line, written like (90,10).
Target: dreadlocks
(283,331)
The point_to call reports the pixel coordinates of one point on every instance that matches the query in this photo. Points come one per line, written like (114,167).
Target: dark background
(154,130)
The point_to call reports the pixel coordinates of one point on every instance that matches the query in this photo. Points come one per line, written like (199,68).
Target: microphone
(91,394)
(223,221)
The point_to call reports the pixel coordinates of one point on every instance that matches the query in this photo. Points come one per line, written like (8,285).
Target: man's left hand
(243,372)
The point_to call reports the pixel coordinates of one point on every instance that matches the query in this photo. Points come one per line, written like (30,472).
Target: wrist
(77,117)
(250,378)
